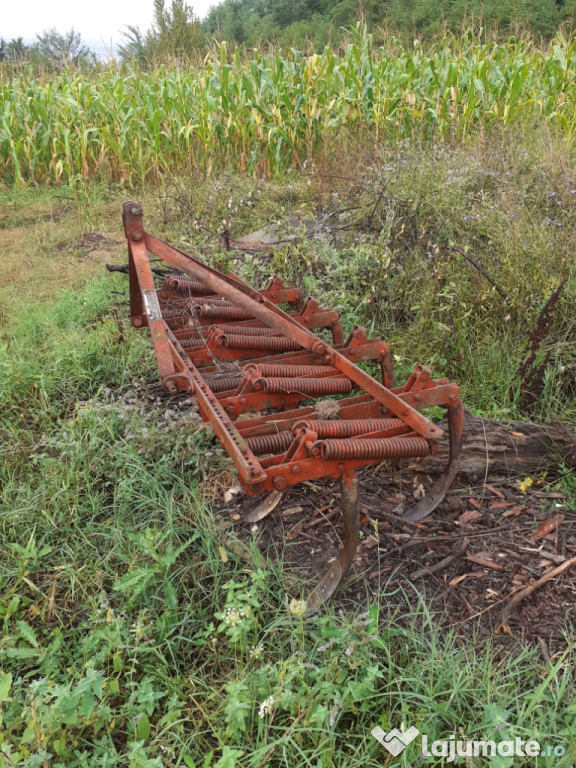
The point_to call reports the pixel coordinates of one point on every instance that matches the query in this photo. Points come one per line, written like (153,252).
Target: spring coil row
(277,369)
(225,384)
(189,343)
(245,330)
(187,285)
(267,343)
(172,312)
(329,386)
(375,448)
(195,307)
(219,312)
(276,443)
(214,301)
(347,428)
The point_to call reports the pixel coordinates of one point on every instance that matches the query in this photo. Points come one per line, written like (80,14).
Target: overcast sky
(100,21)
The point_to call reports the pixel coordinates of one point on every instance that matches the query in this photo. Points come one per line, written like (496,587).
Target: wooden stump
(504,448)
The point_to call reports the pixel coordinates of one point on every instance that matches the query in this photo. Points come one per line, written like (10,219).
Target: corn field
(266,113)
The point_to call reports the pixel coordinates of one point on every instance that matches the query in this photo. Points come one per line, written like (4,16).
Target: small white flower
(256,651)
(265,707)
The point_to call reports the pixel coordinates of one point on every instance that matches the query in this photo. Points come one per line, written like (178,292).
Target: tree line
(177,35)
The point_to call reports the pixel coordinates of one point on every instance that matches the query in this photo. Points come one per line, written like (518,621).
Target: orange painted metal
(236,350)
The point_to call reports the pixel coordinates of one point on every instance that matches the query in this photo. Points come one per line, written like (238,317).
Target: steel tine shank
(349,507)
(429,503)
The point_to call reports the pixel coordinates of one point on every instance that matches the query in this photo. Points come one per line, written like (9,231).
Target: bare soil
(468,559)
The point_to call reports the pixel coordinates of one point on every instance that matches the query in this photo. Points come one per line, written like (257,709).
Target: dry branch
(527,591)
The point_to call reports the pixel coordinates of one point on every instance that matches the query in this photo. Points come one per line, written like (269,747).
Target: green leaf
(229,758)
(134,582)
(27,633)
(237,707)
(5,683)
(88,703)
(143,728)
(495,716)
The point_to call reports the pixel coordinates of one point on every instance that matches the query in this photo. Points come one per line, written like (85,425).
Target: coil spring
(268,343)
(277,443)
(244,330)
(214,301)
(346,428)
(187,285)
(172,312)
(375,448)
(195,307)
(189,343)
(223,385)
(277,386)
(219,313)
(272,369)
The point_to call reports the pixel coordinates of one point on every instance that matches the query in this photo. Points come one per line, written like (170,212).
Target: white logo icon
(395,741)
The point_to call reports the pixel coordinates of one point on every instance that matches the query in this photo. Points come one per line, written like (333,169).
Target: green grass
(133,633)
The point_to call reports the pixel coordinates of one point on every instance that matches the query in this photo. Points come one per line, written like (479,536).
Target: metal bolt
(136,210)
(137,322)
(296,469)
(137,236)
(279,483)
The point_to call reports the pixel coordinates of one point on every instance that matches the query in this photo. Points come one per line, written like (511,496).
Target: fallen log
(504,448)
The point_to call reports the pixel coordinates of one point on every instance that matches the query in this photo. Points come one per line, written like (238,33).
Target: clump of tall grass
(267,113)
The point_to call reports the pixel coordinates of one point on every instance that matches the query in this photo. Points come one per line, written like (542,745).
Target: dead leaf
(292,511)
(470,517)
(514,511)
(475,503)
(546,526)
(495,491)
(486,563)
(501,504)
(419,492)
(457,580)
(230,493)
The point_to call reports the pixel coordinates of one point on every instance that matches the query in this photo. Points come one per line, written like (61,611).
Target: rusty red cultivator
(236,350)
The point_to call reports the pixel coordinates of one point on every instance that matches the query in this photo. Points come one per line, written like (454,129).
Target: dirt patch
(96,240)
(97,245)
(468,559)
